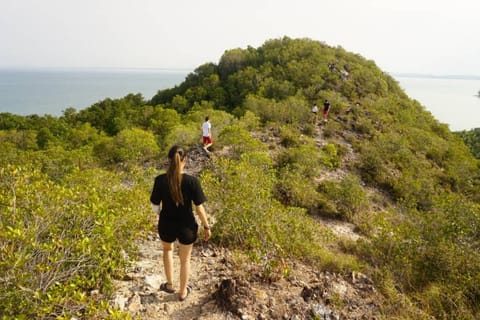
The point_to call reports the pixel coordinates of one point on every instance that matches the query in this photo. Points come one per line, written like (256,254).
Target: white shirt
(315,109)
(206,128)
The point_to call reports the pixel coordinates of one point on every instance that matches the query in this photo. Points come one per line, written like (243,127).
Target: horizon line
(436,76)
(191,69)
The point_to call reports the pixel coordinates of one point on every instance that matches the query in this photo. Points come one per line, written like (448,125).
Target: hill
(282,190)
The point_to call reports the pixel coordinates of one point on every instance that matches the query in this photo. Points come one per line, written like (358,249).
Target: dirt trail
(140,295)
(304,294)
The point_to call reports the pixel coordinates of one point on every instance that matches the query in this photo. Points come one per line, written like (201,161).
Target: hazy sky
(401,36)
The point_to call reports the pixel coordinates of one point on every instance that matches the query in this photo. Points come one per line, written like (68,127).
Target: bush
(293,189)
(239,141)
(61,241)
(305,159)
(290,137)
(293,110)
(128,147)
(186,135)
(248,217)
(347,196)
(329,156)
(249,121)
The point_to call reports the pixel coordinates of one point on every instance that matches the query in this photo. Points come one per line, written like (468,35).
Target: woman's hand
(207,233)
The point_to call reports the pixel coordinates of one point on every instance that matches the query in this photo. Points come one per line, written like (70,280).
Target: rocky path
(139,292)
(228,286)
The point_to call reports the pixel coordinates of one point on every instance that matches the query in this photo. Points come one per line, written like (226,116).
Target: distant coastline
(26,91)
(452,100)
(97,69)
(434,76)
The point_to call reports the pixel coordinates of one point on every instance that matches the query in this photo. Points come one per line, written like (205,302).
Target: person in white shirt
(207,134)
(315,113)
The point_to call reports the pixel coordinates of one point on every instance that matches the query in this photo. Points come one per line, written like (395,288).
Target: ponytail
(174,174)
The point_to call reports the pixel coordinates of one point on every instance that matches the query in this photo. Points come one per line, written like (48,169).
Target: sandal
(164,287)
(189,289)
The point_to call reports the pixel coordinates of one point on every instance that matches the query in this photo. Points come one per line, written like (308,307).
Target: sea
(452,100)
(51,91)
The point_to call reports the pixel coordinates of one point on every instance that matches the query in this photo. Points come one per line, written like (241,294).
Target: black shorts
(169,231)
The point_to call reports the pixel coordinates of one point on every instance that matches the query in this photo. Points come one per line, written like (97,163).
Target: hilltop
(373,214)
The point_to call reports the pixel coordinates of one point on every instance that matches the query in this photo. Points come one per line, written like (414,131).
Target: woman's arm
(200,209)
(156,208)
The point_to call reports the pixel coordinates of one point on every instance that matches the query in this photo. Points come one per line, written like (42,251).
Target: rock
(167,308)
(135,304)
(120,302)
(154,281)
(340,288)
(321,311)
(95,293)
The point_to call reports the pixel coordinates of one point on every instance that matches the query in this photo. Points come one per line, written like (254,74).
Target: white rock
(135,303)
(120,302)
(154,281)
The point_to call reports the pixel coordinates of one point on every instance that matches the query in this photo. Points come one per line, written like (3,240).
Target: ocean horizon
(50,91)
(452,99)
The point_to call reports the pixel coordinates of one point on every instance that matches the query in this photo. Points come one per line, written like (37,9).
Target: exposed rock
(153,281)
(135,304)
(120,301)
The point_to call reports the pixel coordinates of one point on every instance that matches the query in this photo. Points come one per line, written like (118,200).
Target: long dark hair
(174,173)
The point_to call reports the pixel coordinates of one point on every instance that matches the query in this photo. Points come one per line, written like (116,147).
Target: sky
(435,37)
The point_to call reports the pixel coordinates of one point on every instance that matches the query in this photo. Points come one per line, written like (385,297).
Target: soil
(225,286)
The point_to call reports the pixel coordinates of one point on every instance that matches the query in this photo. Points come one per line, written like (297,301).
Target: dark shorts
(171,231)
(207,140)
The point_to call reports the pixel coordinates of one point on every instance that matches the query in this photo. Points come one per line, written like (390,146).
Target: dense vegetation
(74,189)
(472,140)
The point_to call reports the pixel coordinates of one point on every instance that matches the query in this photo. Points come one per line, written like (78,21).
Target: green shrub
(161,121)
(239,141)
(128,147)
(23,139)
(249,121)
(292,110)
(329,156)
(133,146)
(186,135)
(304,158)
(61,241)
(293,189)
(247,216)
(289,136)
(347,197)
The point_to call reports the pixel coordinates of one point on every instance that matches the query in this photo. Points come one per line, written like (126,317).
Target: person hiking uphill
(315,113)
(172,196)
(207,134)
(326,110)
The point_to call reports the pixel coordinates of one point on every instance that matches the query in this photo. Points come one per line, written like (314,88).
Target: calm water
(42,92)
(451,101)
(24,92)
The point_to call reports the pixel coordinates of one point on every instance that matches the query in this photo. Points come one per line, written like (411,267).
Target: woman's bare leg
(168,262)
(184,252)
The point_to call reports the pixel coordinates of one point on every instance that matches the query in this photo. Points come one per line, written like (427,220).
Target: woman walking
(172,197)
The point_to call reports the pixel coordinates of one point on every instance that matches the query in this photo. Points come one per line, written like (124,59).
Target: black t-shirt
(191,191)
(326,106)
